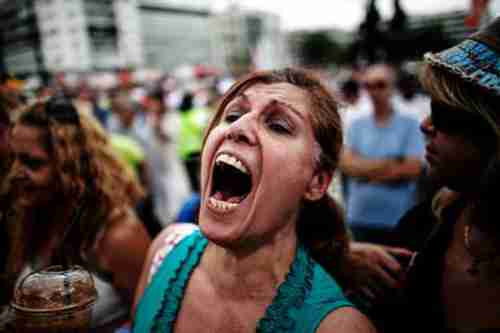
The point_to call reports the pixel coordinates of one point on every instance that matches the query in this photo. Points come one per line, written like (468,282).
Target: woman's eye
(280,127)
(231,117)
(33,163)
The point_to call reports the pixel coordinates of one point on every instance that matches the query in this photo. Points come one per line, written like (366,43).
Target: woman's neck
(251,275)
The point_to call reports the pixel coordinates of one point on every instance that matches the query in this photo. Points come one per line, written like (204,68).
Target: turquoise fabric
(305,298)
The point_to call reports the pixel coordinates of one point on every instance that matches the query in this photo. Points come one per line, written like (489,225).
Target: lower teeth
(220,196)
(224,205)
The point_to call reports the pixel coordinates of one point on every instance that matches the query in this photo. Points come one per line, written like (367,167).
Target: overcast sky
(344,14)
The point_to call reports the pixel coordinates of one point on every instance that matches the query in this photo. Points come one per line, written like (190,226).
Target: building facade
(250,36)
(101,35)
(81,36)
(20,38)
(176,33)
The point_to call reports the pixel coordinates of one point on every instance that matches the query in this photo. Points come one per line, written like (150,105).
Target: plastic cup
(54,300)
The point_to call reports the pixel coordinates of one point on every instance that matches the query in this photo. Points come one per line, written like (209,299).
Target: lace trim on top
(165,318)
(290,295)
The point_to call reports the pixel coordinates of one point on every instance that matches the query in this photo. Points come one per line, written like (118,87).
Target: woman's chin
(219,234)
(24,203)
(32,201)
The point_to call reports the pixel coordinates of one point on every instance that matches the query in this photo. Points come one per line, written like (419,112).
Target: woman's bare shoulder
(159,249)
(346,320)
(122,230)
(166,241)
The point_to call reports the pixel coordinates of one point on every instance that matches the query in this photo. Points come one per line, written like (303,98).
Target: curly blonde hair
(92,182)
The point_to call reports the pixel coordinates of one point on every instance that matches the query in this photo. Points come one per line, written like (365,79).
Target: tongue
(224,196)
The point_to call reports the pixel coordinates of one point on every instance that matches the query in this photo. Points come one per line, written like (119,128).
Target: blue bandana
(473,61)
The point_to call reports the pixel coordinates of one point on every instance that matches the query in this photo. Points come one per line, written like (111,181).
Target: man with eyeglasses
(382,158)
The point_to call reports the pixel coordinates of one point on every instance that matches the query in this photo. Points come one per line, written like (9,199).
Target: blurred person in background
(130,135)
(351,108)
(127,118)
(70,200)
(170,184)
(190,138)
(350,92)
(194,125)
(383,158)
(86,102)
(409,98)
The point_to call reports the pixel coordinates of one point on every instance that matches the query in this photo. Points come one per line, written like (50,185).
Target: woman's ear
(318,185)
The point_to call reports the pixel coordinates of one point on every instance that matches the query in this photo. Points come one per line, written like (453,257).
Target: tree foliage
(318,49)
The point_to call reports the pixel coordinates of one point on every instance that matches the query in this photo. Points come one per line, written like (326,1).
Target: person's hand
(377,269)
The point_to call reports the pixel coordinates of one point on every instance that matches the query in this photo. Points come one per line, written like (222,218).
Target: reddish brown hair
(321,226)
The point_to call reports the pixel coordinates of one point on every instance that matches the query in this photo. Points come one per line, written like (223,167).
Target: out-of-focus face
(378,82)
(33,169)
(258,163)
(453,158)
(125,112)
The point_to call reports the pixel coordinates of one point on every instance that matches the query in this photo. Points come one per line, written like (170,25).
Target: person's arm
(346,320)
(410,165)
(122,251)
(409,168)
(353,165)
(351,162)
(160,247)
(376,270)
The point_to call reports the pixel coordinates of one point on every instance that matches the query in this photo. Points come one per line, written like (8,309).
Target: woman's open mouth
(231,184)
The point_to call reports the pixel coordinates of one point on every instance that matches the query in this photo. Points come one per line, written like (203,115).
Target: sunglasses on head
(62,110)
(376,85)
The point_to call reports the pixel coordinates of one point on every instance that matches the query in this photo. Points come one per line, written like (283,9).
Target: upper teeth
(231,160)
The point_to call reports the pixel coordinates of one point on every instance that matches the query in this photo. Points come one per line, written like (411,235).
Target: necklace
(477,259)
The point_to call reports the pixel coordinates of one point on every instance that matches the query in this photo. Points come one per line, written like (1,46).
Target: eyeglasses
(376,85)
(62,110)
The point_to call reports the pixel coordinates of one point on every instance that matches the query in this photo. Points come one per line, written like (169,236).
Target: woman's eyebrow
(288,106)
(238,99)
(242,97)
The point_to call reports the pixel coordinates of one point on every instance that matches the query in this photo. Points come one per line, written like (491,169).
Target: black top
(418,307)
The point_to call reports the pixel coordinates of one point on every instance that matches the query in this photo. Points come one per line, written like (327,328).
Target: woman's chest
(204,310)
(470,299)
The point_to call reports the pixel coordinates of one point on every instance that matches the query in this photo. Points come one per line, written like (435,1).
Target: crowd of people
(286,203)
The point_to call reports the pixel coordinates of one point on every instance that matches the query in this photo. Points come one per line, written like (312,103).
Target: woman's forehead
(34,133)
(30,138)
(286,93)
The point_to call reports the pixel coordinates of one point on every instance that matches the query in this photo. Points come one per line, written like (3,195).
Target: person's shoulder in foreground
(346,320)
(158,251)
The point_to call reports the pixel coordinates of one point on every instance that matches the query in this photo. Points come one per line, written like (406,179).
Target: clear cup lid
(54,288)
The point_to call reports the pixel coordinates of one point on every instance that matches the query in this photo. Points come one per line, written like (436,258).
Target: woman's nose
(18,170)
(242,130)
(427,127)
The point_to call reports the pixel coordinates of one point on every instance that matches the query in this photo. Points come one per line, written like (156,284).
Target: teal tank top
(306,297)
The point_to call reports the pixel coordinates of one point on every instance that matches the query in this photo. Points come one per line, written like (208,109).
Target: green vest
(193,124)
